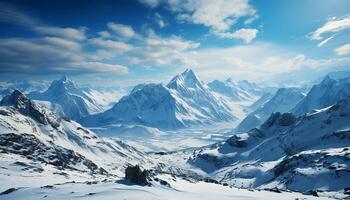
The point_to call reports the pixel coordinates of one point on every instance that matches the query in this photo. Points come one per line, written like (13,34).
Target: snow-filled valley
(221,140)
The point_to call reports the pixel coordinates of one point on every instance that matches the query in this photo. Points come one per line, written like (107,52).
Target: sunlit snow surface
(178,189)
(154,140)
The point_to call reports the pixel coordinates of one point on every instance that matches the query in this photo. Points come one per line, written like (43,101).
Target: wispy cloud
(55,48)
(68,33)
(323,42)
(13,15)
(40,56)
(268,62)
(122,30)
(332,26)
(159,20)
(220,15)
(245,34)
(343,50)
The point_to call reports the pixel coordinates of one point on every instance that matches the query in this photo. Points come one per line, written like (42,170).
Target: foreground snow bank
(178,189)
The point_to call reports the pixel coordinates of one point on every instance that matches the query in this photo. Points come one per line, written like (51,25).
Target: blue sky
(126,42)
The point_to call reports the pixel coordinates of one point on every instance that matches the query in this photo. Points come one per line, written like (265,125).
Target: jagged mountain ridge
(183,102)
(30,131)
(282,101)
(304,154)
(323,94)
(73,101)
(236,91)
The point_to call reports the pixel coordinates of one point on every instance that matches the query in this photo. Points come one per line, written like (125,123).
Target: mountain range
(283,100)
(183,102)
(309,153)
(32,133)
(75,102)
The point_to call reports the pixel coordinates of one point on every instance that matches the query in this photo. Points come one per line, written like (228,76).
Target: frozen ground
(178,189)
(154,140)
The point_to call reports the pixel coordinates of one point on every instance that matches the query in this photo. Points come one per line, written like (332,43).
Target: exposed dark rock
(236,141)
(286,119)
(311,192)
(135,175)
(347,190)
(272,119)
(27,107)
(30,147)
(276,190)
(8,191)
(209,180)
(47,187)
(160,153)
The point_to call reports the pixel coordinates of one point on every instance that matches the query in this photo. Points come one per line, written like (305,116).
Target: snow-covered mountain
(75,102)
(26,87)
(183,102)
(236,91)
(323,94)
(308,154)
(34,136)
(260,102)
(284,100)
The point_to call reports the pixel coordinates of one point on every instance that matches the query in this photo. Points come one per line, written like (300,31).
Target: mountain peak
(327,80)
(188,72)
(186,79)
(16,98)
(64,78)
(229,80)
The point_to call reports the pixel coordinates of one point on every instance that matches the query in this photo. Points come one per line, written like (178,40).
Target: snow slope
(178,189)
(284,100)
(236,91)
(185,101)
(309,153)
(323,94)
(74,101)
(33,134)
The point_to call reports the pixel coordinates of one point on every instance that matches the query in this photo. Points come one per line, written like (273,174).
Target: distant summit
(324,94)
(185,101)
(187,79)
(74,101)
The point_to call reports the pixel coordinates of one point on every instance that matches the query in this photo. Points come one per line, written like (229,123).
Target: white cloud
(332,26)
(122,30)
(111,44)
(159,20)
(343,50)
(101,67)
(49,54)
(219,15)
(68,33)
(323,42)
(150,3)
(104,34)
(12,15)
(62,43)
(245,34)
(158,51)
(258,62)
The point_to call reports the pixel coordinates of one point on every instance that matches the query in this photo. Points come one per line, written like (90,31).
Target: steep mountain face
(32,134)
(301,154)
(324,94)
(147,104)
(260,102)
(236,91)
(184,102)
(74,102)
(186,88)
(284,100)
